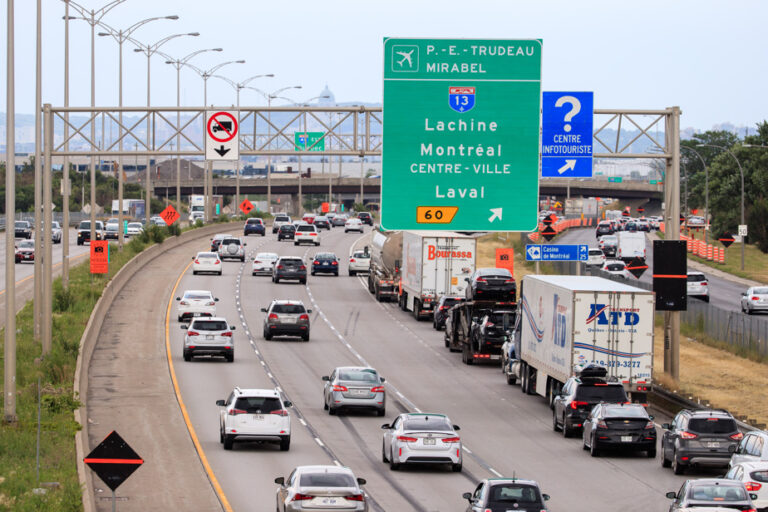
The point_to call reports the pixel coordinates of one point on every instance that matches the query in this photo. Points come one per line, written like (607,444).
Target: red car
(309,218)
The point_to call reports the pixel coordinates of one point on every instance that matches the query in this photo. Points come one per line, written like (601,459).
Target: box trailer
(567,322)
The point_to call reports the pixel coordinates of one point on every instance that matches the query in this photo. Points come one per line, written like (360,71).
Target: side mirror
(650,417)
(456,427)
(743,294)
(244,245)
(361,481)
(216,299)
(220,403)
(263,310)
(288,403)
(184,327)
(326,378)
(666,426)
(193,257)
(232,327)
(309,311)
(466,279)
(732,448)
(386,426)
(179,298)
(753,496)
(280,480)
(671,495)
(382,379)
(545,496)
(467,496)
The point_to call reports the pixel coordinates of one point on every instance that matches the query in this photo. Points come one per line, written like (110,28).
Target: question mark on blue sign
(575,109)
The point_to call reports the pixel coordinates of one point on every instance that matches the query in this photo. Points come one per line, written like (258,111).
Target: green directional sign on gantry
(461,134)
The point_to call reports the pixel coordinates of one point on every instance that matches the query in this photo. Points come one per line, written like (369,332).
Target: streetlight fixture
(238,86)
(178,63)
(149,50)
(207,173)
(269,97)
(121,36)
(741,171)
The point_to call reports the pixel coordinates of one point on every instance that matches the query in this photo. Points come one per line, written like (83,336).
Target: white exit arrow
(496,214)
(569,166)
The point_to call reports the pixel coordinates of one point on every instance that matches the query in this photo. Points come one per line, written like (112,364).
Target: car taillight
(490,324)
(184,303)
(272,316)
(704,283)
(351,260)
(235,412)
(455,439)
(335,263)
(313,234)
(256,261)
(754,298)
(336,387)
(193,333)
(197,262)
(301,497)
(279,267)
(649,425)
(687,435)
(509,281)
(377,389)
(228,334)
(752,486)
(738,436)
(210,303)
(355,497)
(280,412)
(216,262)
(481,280)
(407,439)
(302,267)
(575,404)
(304,317)
(315,262)
(601,424)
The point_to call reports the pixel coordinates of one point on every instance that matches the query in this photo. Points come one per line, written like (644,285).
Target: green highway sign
(654,182)
(614,179)
(461,134)
(308,141)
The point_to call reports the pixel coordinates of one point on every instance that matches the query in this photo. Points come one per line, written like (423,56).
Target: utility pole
(9,353)
(672,232)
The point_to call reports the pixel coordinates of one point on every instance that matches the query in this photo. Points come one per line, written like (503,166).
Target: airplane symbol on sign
(406,56)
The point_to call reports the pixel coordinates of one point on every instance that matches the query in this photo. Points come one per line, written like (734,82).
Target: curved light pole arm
(93,16)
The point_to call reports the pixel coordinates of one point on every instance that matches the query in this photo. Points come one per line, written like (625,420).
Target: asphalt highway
(504,432)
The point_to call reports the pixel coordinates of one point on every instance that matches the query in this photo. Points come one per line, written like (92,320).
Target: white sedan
(754,476)
(360,261)
(263,263)
(206,262)
(134,228)
(196,303)
(616,268)
(353,225)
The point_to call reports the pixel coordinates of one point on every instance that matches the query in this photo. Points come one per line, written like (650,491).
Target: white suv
(279,221)
(196,303)
(306,234)
(698,286)
(254,414)
(232,248)
(209,337)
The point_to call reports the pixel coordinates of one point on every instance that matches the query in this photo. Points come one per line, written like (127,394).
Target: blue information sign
(556,252)
(566,134)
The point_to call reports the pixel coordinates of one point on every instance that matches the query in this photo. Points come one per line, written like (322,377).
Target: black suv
(22,229)
(289,267)
(286,232)
(580,394)
(492,329)
(704,437)
(365,218)
(604,228)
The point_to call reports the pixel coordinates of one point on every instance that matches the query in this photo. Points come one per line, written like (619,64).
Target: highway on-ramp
(504,432)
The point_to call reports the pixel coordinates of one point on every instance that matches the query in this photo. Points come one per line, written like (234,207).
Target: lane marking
(200,453)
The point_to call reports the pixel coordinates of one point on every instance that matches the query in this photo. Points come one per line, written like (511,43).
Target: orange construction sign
(325,207)
(99,256)
(505,258)
(246,206)
(170,215)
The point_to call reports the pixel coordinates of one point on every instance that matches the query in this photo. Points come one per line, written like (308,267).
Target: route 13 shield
(461,99)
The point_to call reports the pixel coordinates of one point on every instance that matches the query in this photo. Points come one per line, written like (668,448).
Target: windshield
(712,425)
(604,393)
(513,493)
(209,325)
(325,256)
(760,291)
(21,224)
(26,245)
(693,278)
(306,227)
(282,218)
(197,296)
(207,255)
(427,423)
(86,224)
(595,252)
(290,261)
(361,254)
(229,241)
(359,375)
(254,221)
(288,308)
(630,411)
(258,404)
(326,480)
(719,493)
(266,256)
(615,266)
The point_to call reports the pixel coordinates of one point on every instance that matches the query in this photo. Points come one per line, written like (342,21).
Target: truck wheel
(523,378)
(370,284)
(416,309)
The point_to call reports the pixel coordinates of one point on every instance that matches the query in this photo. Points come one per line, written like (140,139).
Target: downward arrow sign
(223,151)
(569,166)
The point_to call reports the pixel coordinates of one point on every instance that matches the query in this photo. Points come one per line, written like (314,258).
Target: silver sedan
(421,438)
(755,299)
(321,488)
(354,387)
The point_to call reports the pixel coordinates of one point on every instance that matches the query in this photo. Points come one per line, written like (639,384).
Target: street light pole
(149,50)
(65,183)
(37,312)
(706,191)
(9,352)
(741,171)
(178,63)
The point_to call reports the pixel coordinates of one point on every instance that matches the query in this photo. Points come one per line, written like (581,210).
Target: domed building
(330,100)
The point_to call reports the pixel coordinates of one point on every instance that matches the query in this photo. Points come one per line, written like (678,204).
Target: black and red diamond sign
(726,239)
(113,460)
(637,267)
(548,233)
(549,219)
(640,209)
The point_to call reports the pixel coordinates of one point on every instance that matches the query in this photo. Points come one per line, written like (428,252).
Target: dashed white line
(319,441)
(494,472)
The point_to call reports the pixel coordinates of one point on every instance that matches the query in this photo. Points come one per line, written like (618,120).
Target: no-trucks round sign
(221,136)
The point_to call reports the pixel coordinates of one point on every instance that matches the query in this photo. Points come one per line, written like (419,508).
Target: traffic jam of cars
(597,392)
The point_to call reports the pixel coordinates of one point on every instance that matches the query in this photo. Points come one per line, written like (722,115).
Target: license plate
(330,501)
(359,392)
(495,357)
(196,314)
(257,417)
(287,321)
(429,442)
(626,439)
(713,445)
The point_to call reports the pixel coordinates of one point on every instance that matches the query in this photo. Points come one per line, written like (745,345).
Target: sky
(708,57)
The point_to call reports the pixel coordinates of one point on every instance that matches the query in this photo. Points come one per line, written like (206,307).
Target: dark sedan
(322,223)
(325,263)
(365,218)
(492,284)
(625,426)
(255,226)
(286,232)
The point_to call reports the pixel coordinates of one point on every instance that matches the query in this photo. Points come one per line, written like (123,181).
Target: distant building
(329,101)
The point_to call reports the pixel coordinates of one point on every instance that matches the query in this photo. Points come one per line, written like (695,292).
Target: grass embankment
(755,261)
(71,310)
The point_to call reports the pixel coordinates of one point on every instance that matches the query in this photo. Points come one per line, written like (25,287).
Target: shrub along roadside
(71,310)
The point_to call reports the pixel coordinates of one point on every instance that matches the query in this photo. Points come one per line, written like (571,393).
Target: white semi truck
(434,263)
(568,322)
